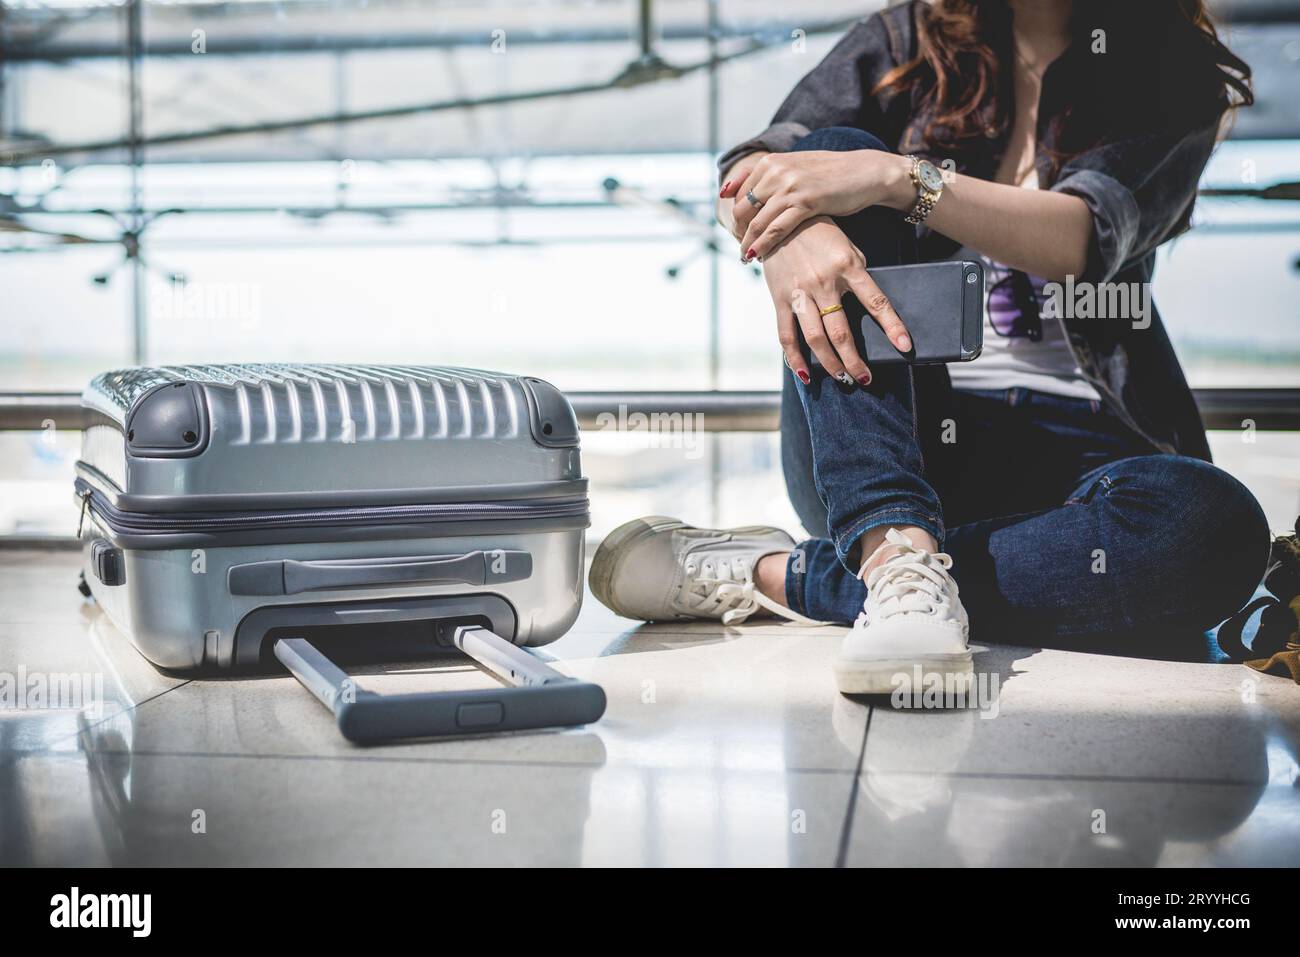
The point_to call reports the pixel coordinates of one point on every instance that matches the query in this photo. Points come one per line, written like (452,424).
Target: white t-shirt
(1007,361)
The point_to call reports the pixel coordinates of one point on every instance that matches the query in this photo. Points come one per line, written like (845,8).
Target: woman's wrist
(896,181)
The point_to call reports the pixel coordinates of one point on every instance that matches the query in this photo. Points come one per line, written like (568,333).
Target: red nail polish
(864,379)
(803,376)
(749,253)
(725,186)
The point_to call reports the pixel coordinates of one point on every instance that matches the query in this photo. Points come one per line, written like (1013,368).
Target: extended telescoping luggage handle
(541,698)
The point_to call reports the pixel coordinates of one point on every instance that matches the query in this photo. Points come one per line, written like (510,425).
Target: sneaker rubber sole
(880,676)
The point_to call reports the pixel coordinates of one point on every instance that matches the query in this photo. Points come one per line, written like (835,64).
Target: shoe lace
(731,590)
(910,582)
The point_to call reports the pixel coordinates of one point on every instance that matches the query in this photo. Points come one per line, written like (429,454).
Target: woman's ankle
(769,576)
(874,556)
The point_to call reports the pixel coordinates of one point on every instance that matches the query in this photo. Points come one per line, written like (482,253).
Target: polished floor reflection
(720,746)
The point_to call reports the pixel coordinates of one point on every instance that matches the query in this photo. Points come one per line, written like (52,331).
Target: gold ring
(838,307)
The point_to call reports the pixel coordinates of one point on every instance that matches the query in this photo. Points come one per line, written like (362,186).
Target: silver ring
(754,200)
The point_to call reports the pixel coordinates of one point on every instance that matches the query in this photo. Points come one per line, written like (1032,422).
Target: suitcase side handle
(542,698)
(292,577)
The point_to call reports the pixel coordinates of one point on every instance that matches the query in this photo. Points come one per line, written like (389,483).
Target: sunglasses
(1015,306)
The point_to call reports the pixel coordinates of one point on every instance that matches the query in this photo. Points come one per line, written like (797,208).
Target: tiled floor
(720,746)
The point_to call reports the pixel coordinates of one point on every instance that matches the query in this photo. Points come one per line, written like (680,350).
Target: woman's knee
(1236,545)
(841,139)
(1205,536)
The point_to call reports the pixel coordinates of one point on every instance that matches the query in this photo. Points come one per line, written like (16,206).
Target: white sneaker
(912,616)
(661,569)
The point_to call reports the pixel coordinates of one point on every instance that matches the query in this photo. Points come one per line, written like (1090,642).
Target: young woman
(1062,479)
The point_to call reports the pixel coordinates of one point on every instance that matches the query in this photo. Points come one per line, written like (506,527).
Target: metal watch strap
(922,209)
(925,199)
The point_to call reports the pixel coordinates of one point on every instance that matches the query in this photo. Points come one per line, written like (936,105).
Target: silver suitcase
(225,509)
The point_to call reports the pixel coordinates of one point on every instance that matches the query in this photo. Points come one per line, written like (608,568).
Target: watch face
(929,176)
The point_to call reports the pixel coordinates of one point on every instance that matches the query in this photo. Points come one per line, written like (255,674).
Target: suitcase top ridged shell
(271,428)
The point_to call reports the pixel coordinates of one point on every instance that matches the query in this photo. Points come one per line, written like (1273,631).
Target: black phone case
(942,305)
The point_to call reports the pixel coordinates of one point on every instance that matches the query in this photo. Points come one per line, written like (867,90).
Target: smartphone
(942,305)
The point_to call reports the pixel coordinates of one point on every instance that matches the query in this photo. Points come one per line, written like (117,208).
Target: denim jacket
(1140,188)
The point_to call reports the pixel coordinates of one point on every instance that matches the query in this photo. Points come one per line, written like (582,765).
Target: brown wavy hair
(1163,63)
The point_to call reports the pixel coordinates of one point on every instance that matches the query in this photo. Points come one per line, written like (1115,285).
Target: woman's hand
(794,187)
(811,271)
(736,174)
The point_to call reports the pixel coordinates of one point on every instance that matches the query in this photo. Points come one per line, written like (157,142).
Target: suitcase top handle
(164,413)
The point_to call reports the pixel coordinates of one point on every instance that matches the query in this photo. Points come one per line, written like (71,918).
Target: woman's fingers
(788,336)
(761,220)
(878,305)
(739,173)
(814,333)
(743,211)
(840,334)
(765,233)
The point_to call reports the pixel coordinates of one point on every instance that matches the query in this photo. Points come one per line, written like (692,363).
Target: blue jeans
(1061,521)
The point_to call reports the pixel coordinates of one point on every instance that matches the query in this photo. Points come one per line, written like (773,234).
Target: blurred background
(524,185)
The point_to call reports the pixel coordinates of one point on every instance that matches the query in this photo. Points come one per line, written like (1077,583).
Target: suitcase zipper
(143,523)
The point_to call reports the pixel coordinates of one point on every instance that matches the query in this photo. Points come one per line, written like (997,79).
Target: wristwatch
(929,187)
